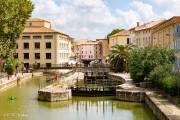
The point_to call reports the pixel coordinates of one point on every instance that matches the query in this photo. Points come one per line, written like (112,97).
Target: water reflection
(54,105)
(26,106)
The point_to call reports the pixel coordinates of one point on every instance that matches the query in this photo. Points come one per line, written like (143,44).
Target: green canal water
(26,106)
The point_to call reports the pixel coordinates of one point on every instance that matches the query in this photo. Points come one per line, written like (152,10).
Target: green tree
(114,31)
(119,57)
(11,65)
(143,61)
(13,16)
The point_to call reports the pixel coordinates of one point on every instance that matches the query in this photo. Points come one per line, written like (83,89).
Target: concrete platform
(54,94)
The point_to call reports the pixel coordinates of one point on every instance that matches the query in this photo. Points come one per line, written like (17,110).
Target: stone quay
(54,94)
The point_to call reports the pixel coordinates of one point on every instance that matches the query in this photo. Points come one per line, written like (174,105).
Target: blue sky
(91,19)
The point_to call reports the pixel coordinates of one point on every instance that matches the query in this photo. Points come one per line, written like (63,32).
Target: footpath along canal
(27,107)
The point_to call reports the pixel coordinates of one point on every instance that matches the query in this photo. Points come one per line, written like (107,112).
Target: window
(26,45)
(26,65)
(48,55)
(16,46)
(26,37)
(48,45)
(26,55)
(177,31)
(91,73)
(37,55)
(30,24)
(48,65)
(128,41)
(37,45)
(37,37)
(48,37)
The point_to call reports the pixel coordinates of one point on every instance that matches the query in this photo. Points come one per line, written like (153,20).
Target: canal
(26,106)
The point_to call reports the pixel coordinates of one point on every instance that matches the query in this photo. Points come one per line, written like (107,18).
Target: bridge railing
(86,68)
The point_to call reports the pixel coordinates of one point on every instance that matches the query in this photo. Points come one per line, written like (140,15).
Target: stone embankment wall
(13,80)
(54,95)
(130,96)
(154,108)
(161,107)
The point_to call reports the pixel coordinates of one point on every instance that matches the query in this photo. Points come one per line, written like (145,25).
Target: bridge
(78,68)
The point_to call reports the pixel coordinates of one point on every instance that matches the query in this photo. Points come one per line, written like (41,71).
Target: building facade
(167,34)
(121,38)
(105,48)
(88,50)
(132,36)
(143,34)
(40,44)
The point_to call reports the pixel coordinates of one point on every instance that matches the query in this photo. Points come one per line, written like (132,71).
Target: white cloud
(144,10)
(168,8)
(138,12)
(91,18)
(80,18)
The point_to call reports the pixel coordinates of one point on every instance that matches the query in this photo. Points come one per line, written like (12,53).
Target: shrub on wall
(169,84)
(158,74)
(143,61)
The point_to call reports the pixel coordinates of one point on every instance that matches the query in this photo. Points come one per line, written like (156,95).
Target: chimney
(138,24)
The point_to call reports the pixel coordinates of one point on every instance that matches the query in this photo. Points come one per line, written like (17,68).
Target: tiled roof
(132,29)
(122,33)
(40,30)
(86,42)
(36,20)
(169,21)
(148,25)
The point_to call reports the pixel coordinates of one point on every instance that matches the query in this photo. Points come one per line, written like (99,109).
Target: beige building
(88,50)
(132,36)
(121,38)
(167,34)
(42,45)
(105,48)
(143,34)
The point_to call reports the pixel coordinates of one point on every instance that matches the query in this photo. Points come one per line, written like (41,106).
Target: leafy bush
(143,61)
(135,69)
(158,74)
(11,65)
(169,84)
